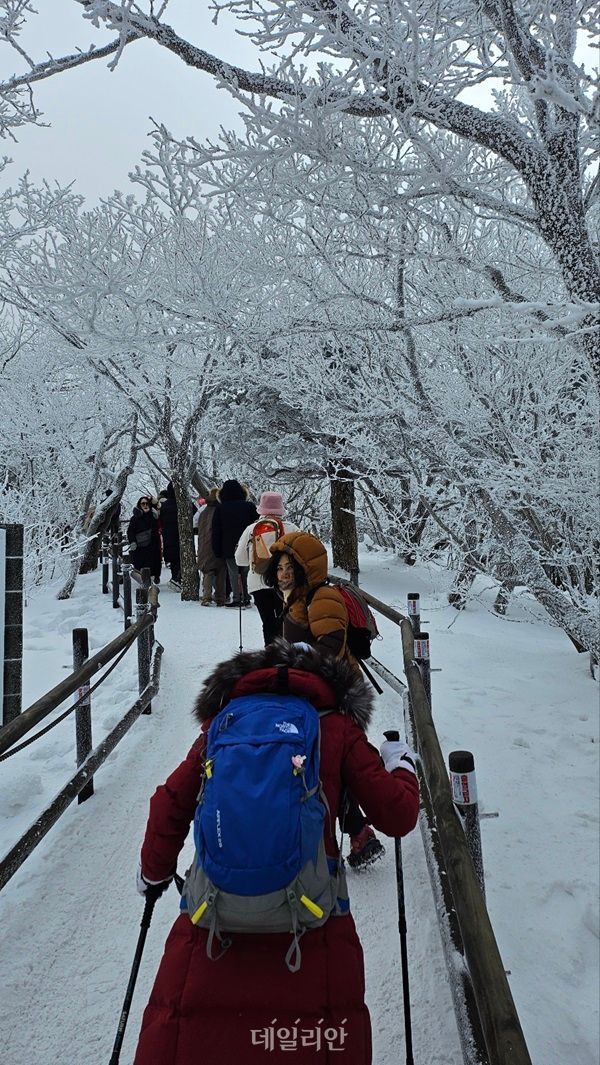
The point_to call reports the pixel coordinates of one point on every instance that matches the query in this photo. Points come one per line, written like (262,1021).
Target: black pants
(175,567)
(269,606)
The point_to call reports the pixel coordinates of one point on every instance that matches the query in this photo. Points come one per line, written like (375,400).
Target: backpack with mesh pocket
(260,863)
(263,536)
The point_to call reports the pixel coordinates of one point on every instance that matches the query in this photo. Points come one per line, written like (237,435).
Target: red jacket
(230,1011)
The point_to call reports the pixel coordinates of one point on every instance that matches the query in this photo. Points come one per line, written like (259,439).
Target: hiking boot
(365,849)
(206,602)
(247,601)
(234,602)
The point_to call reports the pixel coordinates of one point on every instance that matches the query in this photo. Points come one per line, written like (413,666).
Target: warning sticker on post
(464,788)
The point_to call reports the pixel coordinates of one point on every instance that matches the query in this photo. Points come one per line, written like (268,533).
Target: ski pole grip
(392,734)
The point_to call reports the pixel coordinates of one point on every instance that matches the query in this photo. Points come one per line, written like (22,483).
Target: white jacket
(242,551)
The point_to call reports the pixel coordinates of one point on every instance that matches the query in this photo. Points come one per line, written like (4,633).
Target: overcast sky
(100,120)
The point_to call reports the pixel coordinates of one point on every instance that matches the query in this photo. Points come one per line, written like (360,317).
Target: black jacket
(231,518)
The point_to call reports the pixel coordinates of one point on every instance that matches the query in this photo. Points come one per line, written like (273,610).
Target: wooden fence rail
(497,1021)
(35,713)
(29,841)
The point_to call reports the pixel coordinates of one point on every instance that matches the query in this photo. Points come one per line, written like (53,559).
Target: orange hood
(308,553)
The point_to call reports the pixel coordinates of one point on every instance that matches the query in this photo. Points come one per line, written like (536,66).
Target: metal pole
(402,928)
(105,557)
(413,609)
(463,783)
(83,712)
(421,657)
(127,606)
(144,925)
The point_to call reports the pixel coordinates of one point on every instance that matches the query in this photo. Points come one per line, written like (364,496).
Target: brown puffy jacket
(324,621)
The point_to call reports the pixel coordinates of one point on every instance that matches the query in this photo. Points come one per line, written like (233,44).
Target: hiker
(170,534)
(248,1004)
(213,570)
(253,551)
(144,538)
(231,518)
(199,505)
(315,612)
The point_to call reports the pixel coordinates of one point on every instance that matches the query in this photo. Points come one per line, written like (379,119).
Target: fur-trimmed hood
(350,693)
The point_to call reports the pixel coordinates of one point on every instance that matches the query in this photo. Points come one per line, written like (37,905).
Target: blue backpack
(260,862)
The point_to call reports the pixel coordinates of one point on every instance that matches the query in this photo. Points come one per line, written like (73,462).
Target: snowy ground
(511,690)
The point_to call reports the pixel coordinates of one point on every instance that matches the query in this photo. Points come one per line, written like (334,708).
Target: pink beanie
(271,503)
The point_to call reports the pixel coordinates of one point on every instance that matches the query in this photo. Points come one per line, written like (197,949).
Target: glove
(397,754)
(150,888)
(132,546)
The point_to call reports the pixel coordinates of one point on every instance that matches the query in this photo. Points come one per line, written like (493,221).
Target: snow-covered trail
(70,916)
(511,689)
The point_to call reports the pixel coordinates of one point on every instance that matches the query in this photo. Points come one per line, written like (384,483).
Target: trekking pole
(394,735)
(240,607)
(144,925)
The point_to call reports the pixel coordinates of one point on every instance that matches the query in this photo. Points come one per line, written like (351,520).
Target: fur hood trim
(352,695)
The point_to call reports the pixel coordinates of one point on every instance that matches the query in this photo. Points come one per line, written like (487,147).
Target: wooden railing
(81,783)
(487,1018)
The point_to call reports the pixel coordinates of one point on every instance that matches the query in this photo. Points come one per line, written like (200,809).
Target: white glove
(397,754)
(142,884)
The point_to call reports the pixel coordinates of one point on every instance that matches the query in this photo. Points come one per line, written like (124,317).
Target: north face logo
(286,726)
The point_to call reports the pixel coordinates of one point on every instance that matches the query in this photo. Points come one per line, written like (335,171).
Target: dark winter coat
(203,1012)
(144,532)
(231,518)
(169,526)
(207,560)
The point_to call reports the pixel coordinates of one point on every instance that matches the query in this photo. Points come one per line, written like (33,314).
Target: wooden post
(151,600)
(29,841)
(468,1023)
(83,711)
(21,725)
(421,656)
(143,643)
(500,1024)
(115,572)
(413,609)
(464,793)
(127,604)
(11,621)
(105,560)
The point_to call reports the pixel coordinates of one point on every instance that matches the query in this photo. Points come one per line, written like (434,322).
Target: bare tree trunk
(67,588)
(189,570)
(344,537)
(97,528)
